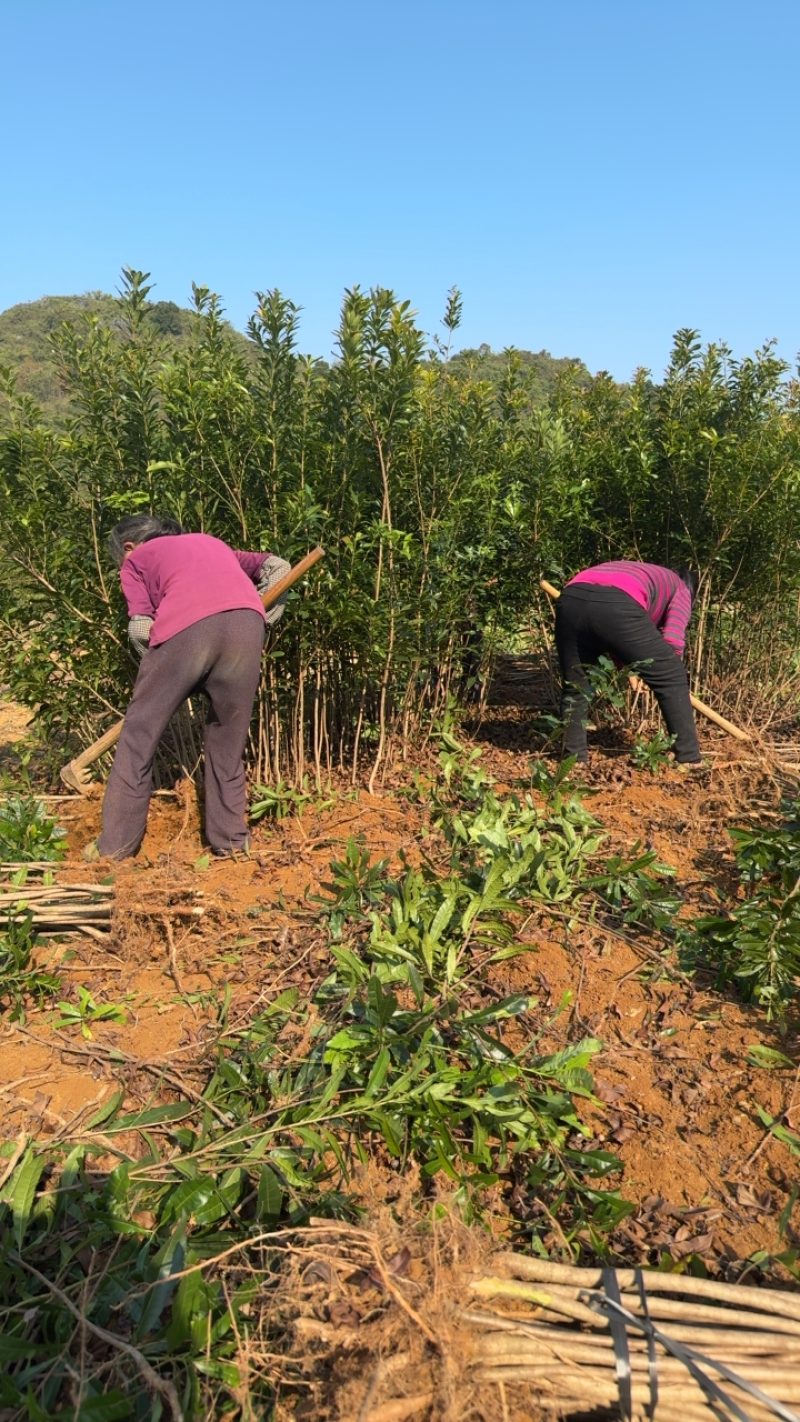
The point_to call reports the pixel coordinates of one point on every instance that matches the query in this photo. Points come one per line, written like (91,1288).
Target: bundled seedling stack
(31,901)
(691,1349)
(28,894)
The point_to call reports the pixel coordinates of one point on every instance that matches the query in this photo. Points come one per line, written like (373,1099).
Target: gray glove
(139,634)
(272,570)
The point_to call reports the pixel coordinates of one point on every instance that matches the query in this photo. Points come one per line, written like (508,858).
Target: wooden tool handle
(695,700)
(719,720)
(270,597)
(93,752)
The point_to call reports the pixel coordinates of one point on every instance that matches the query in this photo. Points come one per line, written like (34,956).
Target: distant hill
(24,345)
(539,370)
(24,332)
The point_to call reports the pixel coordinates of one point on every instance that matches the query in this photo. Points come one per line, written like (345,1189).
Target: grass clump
(28,834)
(21,981)
(756,944)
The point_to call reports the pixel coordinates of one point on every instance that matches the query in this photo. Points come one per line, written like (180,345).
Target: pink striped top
(663,595)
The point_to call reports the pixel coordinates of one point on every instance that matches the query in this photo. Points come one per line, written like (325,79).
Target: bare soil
(679,1095)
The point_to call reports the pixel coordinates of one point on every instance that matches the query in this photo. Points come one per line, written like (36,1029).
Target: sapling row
(440,499)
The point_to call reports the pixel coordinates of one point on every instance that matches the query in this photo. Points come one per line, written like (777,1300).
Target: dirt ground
(678,1094)
(14,722)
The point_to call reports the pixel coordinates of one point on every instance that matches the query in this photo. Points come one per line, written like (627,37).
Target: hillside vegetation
(537,372)
(26,331)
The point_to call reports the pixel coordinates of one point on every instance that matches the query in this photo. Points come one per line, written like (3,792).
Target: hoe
(697,704)
(76,774)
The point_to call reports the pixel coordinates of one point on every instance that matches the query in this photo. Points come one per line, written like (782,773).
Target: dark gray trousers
(591,620)
(220,656)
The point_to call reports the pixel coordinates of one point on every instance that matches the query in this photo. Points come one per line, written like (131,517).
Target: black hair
(136,529)
(689,576)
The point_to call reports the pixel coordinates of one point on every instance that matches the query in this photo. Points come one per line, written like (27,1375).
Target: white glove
(139,634)
(272,570)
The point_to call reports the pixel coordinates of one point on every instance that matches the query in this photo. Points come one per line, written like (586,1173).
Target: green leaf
(284,1002)
(191,1299)
(107,1110)
(71,1167)
(383,1004)
(378,1074)
(269,1201)
(227,1373)
(34,1411)
(499,1011)
(598,1162)
(512,950)
(443,916)
(153,1116)
(390,1128)
(193,1198)
(23,1191)
(572,1058)
(12,1349)
(761,1056)
(349,1039)
(173,1259)
(790,1139)
(111,1407)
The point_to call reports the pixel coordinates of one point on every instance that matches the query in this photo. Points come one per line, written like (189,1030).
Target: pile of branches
(444,1329)
(54,908)
(650,1344)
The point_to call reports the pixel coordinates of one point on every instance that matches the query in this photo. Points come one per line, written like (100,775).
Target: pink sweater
(184,577)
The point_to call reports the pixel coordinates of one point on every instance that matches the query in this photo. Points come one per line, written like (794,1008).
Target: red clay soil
(679,1095)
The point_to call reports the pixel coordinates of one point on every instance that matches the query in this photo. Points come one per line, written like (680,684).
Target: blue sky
(593,174)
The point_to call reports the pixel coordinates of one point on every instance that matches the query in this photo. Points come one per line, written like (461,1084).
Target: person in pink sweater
(636,613)
(197,620)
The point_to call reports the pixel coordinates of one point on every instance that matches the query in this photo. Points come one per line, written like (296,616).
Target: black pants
(221,656)
(591,620)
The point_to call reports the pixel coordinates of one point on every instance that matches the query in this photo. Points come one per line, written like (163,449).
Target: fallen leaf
(623,1134)
(318,1271)
(607,1091)
(698,1245)
(366,1279)
(399,1262)
(343,1315)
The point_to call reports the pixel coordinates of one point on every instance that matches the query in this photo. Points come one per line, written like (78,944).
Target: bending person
(636,613)
(197,620)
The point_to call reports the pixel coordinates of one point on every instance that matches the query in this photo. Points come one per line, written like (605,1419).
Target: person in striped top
(636,613)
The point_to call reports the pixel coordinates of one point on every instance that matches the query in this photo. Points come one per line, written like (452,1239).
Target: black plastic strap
(619,1336)
(690,1357)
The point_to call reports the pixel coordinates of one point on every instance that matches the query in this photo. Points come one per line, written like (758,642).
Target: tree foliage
(440,498)
(25,332)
